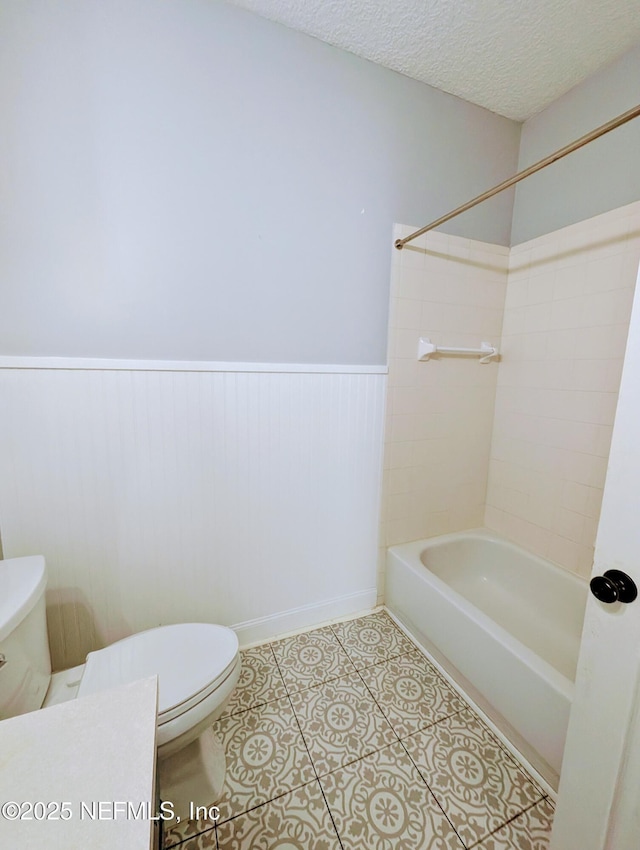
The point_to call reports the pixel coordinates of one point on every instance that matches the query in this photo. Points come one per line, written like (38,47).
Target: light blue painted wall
(184,180)
(603,175)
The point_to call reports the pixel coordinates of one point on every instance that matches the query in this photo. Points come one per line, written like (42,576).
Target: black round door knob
(614,586)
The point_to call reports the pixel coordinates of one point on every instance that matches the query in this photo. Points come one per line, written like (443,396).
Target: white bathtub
(506,620)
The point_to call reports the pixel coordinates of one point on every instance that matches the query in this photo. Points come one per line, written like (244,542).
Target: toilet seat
(191,660)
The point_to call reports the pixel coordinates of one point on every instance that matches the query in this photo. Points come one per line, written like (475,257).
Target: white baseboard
(305,617)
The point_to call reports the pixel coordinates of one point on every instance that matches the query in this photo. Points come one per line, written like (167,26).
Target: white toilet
(197,666)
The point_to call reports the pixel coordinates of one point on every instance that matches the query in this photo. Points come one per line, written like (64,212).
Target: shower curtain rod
(567,149)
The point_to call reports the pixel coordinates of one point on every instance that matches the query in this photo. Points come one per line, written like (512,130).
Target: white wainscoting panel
(160,497)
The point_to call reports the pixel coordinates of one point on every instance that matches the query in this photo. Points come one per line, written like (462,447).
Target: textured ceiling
(511,56)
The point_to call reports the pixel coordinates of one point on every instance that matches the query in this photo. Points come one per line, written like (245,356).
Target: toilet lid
(190,659)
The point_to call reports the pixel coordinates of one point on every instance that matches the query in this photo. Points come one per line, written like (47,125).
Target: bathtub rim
(409,554)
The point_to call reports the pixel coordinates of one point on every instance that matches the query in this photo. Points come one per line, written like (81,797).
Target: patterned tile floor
(347,737)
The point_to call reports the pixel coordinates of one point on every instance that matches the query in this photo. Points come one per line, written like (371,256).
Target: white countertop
(89,753)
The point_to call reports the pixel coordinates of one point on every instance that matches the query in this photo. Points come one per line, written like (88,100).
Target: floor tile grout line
(463,696)
(383,660)
(400,741)
(357,758)
(403,655)
(184,841)
(189,838)
(520,767)
(372,695)
(410,734)
(224,715)
(286,686)
(393,744)
(252,809)
(357,669)
(387,746)
(251,707)
(274,658)
(344,648)
(326,802)
(263,803)
(288,791)
(304,741)
(415,648)
(315,684)
(511,756)
(193,837)
(421,774)
(511,819)
(375,752)
(327,681)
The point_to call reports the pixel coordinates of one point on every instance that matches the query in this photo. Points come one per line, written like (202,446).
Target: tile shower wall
(440,413)
(565,326)
(244,498)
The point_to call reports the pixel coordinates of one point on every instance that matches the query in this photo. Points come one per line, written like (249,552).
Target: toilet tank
(25,663)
